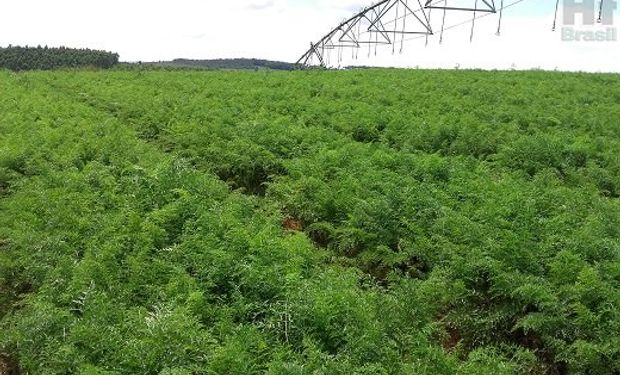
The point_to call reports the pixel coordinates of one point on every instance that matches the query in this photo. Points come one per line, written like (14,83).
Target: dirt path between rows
(7,367)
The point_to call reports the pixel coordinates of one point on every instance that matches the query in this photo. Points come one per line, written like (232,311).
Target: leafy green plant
(309,222)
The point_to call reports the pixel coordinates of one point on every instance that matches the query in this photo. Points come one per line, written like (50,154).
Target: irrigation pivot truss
(393,22)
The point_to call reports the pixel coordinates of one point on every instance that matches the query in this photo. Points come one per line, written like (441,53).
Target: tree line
(45,58)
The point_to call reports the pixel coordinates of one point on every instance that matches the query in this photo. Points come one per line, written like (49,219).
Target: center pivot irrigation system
(393,22)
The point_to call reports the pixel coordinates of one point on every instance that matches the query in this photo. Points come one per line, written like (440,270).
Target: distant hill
(226,64)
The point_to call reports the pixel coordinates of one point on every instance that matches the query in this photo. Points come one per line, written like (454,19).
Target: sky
(156,30)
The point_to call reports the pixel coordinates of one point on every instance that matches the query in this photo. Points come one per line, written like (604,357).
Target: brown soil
(452,339)
(7,367)
(292,224)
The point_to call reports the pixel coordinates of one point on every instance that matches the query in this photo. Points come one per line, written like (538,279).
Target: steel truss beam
(386,22)
(490,7)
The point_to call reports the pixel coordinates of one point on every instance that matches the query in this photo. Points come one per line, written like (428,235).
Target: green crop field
(309,222)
